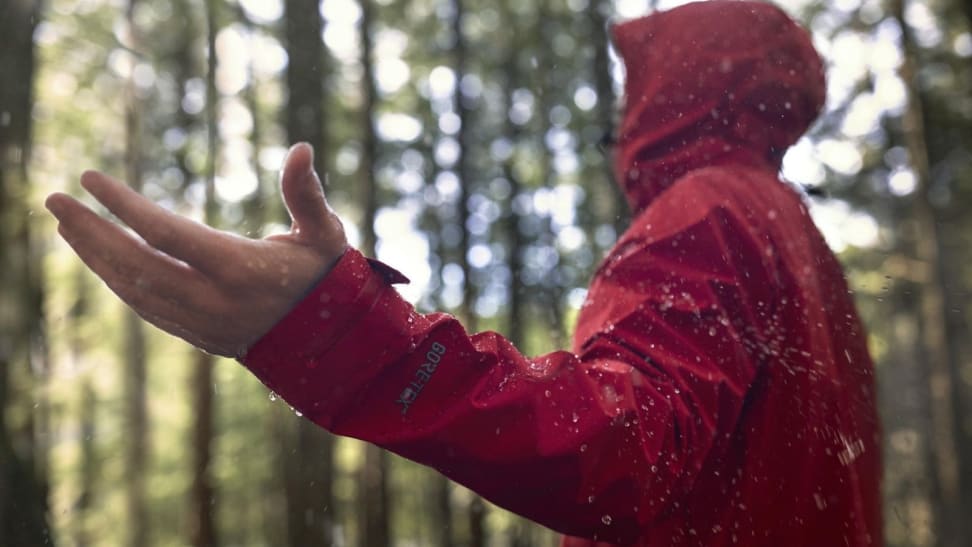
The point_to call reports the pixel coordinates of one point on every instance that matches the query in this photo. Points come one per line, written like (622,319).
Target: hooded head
(711,83)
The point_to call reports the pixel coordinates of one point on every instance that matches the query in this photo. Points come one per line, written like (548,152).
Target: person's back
(724,258)
(741,275)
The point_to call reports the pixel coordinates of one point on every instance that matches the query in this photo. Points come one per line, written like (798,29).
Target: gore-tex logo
(422,377)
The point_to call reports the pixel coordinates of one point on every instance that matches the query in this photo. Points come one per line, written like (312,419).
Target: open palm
(216,290)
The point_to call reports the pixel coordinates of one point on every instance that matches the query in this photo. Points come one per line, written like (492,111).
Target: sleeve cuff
(317,329)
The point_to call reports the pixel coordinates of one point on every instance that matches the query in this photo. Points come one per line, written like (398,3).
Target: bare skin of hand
(216,290)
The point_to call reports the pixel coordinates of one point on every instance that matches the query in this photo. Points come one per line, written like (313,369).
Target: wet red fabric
(719,389)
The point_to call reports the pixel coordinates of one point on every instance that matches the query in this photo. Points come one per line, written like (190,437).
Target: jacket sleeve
(594,443)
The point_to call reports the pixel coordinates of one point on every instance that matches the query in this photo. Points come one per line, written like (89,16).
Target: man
(719,391)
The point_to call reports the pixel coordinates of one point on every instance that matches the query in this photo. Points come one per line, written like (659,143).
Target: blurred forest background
(462,143)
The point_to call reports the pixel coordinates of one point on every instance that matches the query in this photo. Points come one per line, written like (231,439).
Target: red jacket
(719,390)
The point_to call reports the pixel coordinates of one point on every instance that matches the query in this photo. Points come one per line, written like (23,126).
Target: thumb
(303,194)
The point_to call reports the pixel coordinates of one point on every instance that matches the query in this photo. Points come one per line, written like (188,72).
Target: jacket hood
(711,83)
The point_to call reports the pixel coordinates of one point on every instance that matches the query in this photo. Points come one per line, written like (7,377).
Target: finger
(304,195)
(125,263)
(199,245)
(168,306)
(160,289)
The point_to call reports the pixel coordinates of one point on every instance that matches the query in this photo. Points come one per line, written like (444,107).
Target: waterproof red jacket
(719,390)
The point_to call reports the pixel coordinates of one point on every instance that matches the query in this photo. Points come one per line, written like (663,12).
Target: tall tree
(373,497)
(516,240)
(307,71)
(369,136)
(374,503)
(134,355)
(203,531)
(611,205)
(87,465)
(954,160)
(927,248)
(551,289)
(439,488)
(949,140)
(308,466)
(255,208)
(516,320)
(463,170)
(477,508)
(23,498)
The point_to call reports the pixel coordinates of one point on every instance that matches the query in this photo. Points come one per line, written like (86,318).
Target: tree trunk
(516,324)
(87,468)
(308,483)
(373,494)
(307,463)
(477,522)
(442,498)
(23,491)
(306,73)
(907,460)
(952,236)
(134,360)
(203,532)
(463,171)
(477,509)
(439,488)
(615,208)
(136,461)
(551,289)
(255,208)
(369,138)
(374,499)
(88,464)
(941,378)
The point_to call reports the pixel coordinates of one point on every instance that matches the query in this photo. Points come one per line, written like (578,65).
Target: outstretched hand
(216,290)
